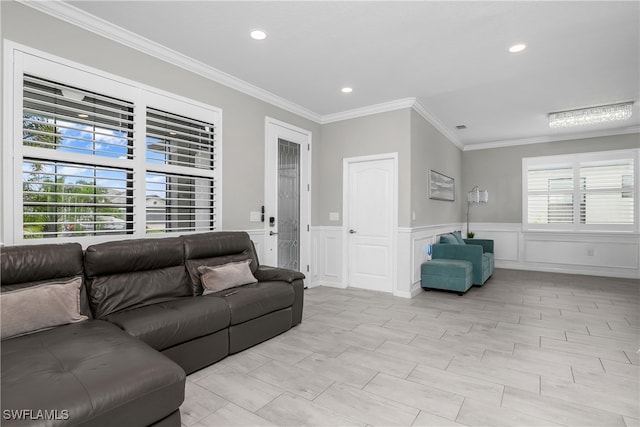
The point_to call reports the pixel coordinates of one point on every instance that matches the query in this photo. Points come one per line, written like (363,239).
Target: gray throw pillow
(225,276)
(38,307)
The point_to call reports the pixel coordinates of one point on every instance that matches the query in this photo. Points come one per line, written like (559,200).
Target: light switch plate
(254,216)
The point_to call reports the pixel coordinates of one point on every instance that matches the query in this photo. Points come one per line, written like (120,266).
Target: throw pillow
(458,236)
(448,238)
(38,307)
(225,276)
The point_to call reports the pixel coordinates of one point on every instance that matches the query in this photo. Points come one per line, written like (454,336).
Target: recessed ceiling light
(517,48)
(258,35)
(346,90)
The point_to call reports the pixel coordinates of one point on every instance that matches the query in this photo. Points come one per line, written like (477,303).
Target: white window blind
(92,156)
(550,195)
(86,196)
(581,192)
(180,184)
(607,192)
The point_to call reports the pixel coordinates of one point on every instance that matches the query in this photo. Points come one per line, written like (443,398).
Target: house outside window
(96,156)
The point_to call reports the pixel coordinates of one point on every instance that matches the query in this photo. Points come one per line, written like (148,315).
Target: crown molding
(392,106)
(383,107)
(552,138)
(435,122)
(86,21)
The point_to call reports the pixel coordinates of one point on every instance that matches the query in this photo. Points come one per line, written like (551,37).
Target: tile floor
(526,349)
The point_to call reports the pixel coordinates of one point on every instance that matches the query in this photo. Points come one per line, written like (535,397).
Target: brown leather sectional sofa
(148,325)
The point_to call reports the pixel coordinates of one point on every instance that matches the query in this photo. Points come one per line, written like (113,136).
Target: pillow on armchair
(454,238)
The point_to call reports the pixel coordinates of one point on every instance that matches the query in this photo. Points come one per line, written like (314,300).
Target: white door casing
(370,203)
(275,130)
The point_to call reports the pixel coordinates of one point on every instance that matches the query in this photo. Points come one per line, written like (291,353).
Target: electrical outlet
(590,252)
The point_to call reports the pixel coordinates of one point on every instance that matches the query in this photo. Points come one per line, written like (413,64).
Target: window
(185,199)
(593,191)
(99,156)
(65,199)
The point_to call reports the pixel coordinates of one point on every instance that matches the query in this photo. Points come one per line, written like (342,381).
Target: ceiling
(451,57)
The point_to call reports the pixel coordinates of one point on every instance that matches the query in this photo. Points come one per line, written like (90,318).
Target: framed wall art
(441,187)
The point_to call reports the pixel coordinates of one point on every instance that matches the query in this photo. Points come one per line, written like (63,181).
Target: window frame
(575,161)
(20,60)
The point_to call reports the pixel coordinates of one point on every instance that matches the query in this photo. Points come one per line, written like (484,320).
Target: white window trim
(574,161)
(57,68)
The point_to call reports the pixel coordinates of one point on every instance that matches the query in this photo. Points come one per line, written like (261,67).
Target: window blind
(607,192)
(64,199)
(69,119)
(589,190)
(180,182)
(86,196)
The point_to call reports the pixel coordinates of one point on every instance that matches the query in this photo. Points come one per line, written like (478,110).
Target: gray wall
(375,134)
(432,150)
(499,170)
(243,116)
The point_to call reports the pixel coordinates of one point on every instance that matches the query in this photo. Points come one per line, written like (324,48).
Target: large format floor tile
(526,349)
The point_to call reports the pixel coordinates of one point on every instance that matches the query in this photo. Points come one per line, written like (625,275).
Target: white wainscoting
(597,254)
(258,241)
(326,256)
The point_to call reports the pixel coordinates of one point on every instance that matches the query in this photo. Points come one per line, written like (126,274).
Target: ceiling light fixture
(346,90)
(591,115)
(517,48)
(258,35)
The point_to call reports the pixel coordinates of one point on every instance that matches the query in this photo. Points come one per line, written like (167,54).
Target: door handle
(352,231)
(271,233)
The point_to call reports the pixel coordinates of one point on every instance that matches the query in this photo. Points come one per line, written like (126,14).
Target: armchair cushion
(487,244)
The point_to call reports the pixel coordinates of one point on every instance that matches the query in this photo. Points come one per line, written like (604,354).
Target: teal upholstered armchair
(478,251)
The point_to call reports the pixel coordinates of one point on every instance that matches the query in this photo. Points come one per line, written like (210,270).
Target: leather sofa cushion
(257,299)
(95,371)
(126,274)
(173,322)
(35,263)
(30,265)
(112,293)
(126,256)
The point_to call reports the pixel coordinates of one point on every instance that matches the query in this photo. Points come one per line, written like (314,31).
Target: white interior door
(287,196)
(370,220)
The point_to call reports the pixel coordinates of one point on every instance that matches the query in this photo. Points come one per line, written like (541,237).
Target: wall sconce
(476,195)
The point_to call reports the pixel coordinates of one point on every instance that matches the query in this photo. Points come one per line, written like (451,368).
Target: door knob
(271,233)
(352,231)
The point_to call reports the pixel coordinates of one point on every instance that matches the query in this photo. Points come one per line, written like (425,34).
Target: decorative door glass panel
(288,205)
